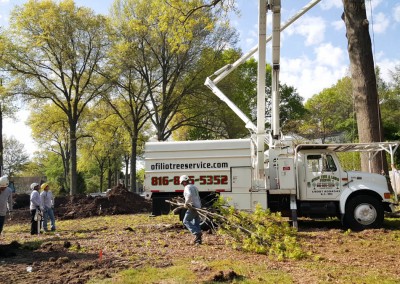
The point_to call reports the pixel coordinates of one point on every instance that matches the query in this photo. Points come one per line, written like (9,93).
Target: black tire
(204,224)
(363,212)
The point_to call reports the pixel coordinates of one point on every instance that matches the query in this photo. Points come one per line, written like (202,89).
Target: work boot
(198,240)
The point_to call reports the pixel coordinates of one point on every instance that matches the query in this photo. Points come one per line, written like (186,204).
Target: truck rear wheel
(363,212)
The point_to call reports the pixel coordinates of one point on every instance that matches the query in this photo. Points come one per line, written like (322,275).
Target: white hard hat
(33,185)
(4,181)
(183,178)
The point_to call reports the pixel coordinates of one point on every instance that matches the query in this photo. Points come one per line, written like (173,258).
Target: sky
(313,49)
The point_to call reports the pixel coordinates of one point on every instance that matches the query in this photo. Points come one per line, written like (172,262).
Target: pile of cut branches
(260,231)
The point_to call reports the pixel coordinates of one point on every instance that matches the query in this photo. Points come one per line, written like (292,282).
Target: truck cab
(324,189)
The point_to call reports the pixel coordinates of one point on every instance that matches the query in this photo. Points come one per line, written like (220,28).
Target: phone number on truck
(203,180)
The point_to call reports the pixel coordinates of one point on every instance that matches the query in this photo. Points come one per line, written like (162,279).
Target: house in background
(22,185)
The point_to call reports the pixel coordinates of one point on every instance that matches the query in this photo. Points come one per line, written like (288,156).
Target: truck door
(322,177)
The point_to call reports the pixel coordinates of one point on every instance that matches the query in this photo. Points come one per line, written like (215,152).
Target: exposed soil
(90,248)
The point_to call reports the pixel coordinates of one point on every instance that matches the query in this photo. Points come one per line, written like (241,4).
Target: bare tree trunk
(73,174)
(109,174)
(101,167)
(126,158)
(133,164)
(1,141)
(363,78)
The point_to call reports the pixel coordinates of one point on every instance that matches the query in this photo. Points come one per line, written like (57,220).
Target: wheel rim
(365,214)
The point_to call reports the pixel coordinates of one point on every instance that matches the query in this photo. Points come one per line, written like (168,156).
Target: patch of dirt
(98,248)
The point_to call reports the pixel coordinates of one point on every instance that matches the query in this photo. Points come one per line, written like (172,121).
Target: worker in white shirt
(192,218)
(6,202)
(35,208)
(47,200)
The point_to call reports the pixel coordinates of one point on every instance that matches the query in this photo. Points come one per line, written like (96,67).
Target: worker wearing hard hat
(192,201)
(47,200)
(36,209)
(5,200)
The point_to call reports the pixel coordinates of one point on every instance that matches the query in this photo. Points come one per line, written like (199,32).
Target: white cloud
(380,23)
(327,54)
(396,13)
(372,4)
(329,4)
(20,131)
(312,28)
(387,66)
(310,76)
(338,25)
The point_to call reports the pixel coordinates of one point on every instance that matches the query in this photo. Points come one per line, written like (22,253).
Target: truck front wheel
(363,212)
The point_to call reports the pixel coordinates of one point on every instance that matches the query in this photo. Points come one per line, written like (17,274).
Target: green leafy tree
(53,170)
(325,121)
(130,64)
(8,108)
(104,149)
(50,129)
(35,167)
(15,156)
(56,49)
(389,95)
(390,105)
(171,45)
(212,118)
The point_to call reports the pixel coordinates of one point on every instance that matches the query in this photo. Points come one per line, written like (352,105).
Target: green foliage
(350,161)
(215,120)
(260,231)
(103,147)
(330,113)
(50,129)
(14,156)
(140,175)
(53,166)
(389,97)
(54,50)
(81,183)
(166,46)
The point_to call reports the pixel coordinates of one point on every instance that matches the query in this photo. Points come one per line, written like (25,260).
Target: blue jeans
(49,214)
(192,221)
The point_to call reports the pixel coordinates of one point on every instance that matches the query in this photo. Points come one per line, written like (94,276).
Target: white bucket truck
(307,180)
(297,180)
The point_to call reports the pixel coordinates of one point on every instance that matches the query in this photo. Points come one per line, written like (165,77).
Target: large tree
(365,90)
(325,122)
(50,129)
(171,46)
(390,107)
(56,48)
(15,156)
(131,64)
(8,108)
(102,152)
